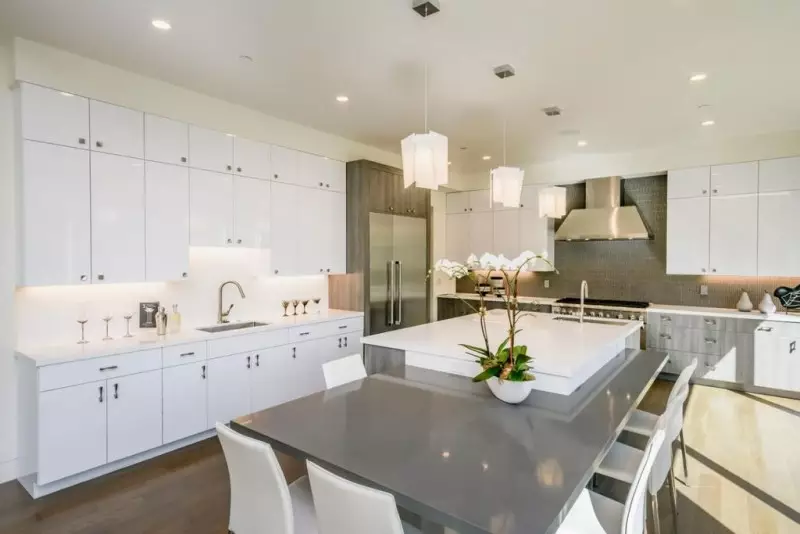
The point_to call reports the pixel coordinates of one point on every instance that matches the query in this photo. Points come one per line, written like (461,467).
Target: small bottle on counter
(161,321)
(174,320)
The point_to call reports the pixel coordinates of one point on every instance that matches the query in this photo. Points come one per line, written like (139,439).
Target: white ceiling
(619,68)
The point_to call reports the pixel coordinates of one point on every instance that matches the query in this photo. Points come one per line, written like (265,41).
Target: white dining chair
(261,501)
(643,423)
(344,370)
(593,513)
(344,507)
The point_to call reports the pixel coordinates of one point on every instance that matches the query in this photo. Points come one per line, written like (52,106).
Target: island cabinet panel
(134,414)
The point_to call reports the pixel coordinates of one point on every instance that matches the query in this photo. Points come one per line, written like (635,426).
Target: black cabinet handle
(294,352)
(340,343)
(109,368)
(185,275)
(228,167)
(99,144)
(345,342)
(238,169)
(183,159)
(304,333)
(204,372)
(81,140)
(185,354)
(116,391)
(248,362)
(257,364)
(101,393)
(792,347)
(342,327)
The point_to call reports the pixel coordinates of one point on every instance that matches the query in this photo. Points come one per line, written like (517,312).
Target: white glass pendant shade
(553,202)
(507,186)
(425,160)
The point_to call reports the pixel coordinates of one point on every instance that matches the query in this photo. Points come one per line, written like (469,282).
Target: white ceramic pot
(510,392)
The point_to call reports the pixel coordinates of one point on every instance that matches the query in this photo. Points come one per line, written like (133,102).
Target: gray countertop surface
(452,453)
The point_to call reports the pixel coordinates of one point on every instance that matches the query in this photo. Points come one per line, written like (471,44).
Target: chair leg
(683,453)
(656,518)
(673,500)
(594,481)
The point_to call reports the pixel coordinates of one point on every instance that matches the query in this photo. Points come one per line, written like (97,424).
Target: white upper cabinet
(251,158)
(287,218)
(251,212)
(529,199)
(284,165)
(335,239)
(336,172)
(210,150)
(457,243)
(688,228)
(689,183)
(134,414)
(537,235)
(118,222)
(779,175)
(778,254)
(481,233)
(166,222)
(116,130)
(733,236)
(54,215)
(53,116)
(166,140)
(210,208)
(479,200)
(310,170)
(458,202)
(507,233)
(735,179)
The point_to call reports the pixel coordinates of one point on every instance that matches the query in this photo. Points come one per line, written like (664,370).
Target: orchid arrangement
(509,361)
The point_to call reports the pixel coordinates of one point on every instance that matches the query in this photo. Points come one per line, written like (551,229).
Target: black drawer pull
(792,347)
(109,368)
(185,354)
(304,333)
(342,327)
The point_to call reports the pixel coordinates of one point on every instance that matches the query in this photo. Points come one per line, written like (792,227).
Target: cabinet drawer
(348,325)
(678,320)
(188,353)
(247,343)
(84,371)
(686,340)
(310,331)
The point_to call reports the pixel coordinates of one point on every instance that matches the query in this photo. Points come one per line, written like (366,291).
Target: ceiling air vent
(552,111)
(504,71)
(426,8)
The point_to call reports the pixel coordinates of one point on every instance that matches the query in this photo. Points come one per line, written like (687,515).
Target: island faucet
(222,316)
(584,295)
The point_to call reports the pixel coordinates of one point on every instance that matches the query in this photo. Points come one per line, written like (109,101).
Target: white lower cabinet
(71,433)
(185,400)
(228,388)
(134,414)
(271,378)
(777,356)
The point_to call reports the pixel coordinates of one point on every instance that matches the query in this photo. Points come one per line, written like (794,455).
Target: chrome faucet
(222,316)
(584,295)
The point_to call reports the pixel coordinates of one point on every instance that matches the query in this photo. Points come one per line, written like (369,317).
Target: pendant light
(505,182)
(425,155)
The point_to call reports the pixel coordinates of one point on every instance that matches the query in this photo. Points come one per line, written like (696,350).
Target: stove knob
(607,315)
(556,309)
(641,318)
(620,316)
(593,314)
(633,317)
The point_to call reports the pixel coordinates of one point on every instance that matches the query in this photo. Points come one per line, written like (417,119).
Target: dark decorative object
(789,298)
(147,314)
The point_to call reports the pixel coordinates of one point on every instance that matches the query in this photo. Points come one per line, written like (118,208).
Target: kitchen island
(566,353)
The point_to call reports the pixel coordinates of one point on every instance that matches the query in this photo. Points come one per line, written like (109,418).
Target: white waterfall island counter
(565,353)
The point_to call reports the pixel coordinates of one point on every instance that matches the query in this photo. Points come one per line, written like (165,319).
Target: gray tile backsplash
(635,270)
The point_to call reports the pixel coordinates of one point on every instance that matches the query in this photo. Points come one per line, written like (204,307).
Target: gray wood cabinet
(385,192)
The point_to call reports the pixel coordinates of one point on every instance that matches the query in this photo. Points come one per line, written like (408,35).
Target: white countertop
(559,348)
(491,298)
(145,340)
(723,312)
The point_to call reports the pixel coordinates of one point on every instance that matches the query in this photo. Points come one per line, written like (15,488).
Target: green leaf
(487,374)
(520,350)
(479,350)
(521,363)
(516,376)
(503,345)
(502,356)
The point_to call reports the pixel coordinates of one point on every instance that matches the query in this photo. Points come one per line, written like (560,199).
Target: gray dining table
(453,455)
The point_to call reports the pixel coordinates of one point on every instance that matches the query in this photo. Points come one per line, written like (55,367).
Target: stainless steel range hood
(604,217)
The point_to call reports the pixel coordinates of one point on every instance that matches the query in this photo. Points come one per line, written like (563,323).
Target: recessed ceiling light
(707,123)
(698,77)
(66,94)
(342,98)
(583,143)
(487,158)
(162,24)
(230,135)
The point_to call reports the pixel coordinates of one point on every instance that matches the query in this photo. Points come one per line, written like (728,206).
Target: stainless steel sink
(586,320)
(227,327)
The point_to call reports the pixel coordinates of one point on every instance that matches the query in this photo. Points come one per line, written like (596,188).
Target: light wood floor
(744,477)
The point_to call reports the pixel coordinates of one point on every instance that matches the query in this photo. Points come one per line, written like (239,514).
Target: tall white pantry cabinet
(109,194)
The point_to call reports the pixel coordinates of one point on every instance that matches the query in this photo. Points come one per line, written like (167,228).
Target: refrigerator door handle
(390,292)
(399,285)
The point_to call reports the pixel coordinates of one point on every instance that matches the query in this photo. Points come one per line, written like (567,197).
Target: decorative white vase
(510,392)
(744,304)
(767,305)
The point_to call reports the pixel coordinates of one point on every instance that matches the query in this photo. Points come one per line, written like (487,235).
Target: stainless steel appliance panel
(381,244)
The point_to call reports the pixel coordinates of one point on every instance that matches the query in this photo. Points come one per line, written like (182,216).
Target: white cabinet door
(54,116)
(72,431)
(336,175)
(506,239)
(734,235)
(688,229)
(272,378)
(350,344)
(773,363)
(210,208)
(55,219)
(735,179)
(117,219)
(479,200)
(134,414)
(778,255)
(284,165)
(336,233)
(457,236)
(166,222)
(458,202)
(166,140)
(251,158)
(228,388)
(481,232)
(210,150)
(116,130)
(312,254)
(779,175)
(529,199)
(251,212)
(689,183)
(536,234)
(287,214)
(311,170)
(309,357)
(185,401)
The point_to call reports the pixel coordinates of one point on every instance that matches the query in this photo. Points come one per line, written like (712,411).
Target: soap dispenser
(174,320)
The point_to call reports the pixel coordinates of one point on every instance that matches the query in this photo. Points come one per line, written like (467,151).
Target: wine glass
(128,316)
(82,320)
(305,303)
(285,304)
(316,301)
(295,304)
(107,318)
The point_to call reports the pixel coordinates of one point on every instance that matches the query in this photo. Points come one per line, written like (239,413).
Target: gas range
(612,309)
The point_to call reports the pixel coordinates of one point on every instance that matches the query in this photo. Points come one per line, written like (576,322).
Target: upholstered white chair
(344,370)
(344,507)
(593,513)
(643,423)
(261,501)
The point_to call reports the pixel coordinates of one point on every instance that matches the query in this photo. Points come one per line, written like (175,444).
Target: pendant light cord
(505,126)
(426,96)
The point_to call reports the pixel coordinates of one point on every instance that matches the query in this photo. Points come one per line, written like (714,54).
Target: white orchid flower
(450,268)
(472,261)
(504,263)
(489,261)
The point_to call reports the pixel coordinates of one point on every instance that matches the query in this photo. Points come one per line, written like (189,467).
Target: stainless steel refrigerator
(398,248)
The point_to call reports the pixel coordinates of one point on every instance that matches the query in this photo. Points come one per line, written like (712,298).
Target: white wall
(441,283)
